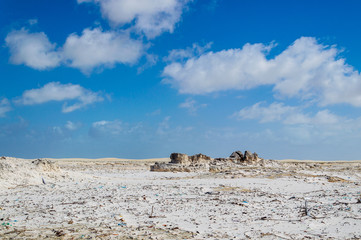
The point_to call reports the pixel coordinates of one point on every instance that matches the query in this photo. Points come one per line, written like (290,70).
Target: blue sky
(141,79)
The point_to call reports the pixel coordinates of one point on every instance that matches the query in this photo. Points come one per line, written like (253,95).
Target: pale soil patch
(122,199)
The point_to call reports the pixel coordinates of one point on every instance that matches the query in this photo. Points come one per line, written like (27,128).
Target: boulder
(250,157)
(179,158)
(237,155)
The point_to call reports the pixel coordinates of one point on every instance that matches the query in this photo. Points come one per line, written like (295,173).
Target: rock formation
(247,157)
(183,163)
(179,158)
(237,155)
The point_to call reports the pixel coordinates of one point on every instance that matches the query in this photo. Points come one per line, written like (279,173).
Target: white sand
(121,199)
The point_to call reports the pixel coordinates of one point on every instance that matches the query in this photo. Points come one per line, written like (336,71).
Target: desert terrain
(122,199)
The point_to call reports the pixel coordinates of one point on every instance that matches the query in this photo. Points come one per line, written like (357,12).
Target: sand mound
(15,171)
(45,165)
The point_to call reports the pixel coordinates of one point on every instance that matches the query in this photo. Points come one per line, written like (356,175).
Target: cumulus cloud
(94,48)
(5,107)
(306,70)
(150,17)
(228,69)
(291,115)
(32,49)
(56,91)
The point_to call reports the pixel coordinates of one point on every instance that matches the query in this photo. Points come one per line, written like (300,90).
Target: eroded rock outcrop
(179,158)
(183,163)
(247,157)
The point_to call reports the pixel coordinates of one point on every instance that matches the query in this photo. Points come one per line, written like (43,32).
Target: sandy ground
(122,199)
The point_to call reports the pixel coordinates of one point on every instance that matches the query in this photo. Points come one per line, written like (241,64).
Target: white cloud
(113,128)
(71,126)
(290,115)
(299,126)
(64,132)
(326,117)
(32,49)
(92,49)
(106,127)
(229,69)
(57,130)
(150,17)
(151,60)
(306,70)
(309,70)
(181,54)
(96,48)
(56,91)
(325,127)
(4,107)
(274,112)
(191,105)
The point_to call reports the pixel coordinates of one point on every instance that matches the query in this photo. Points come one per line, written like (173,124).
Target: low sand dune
(319,161)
